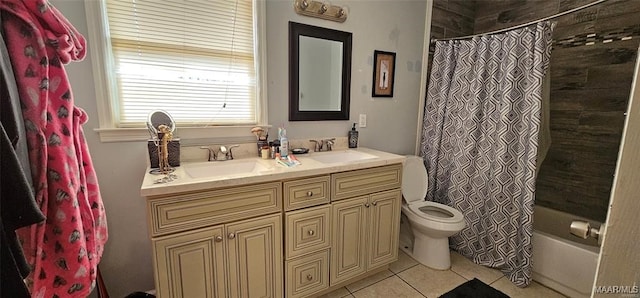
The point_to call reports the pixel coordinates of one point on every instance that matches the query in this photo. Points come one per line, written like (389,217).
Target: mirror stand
(164,149)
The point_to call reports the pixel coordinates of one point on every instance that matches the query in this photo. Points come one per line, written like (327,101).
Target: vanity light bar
(321,10)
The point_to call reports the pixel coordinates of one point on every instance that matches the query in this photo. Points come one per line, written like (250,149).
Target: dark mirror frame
(295,31)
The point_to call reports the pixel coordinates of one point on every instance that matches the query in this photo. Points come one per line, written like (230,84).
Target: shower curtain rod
(522,25)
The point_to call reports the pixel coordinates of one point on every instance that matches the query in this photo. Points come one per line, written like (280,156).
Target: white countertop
(272,172)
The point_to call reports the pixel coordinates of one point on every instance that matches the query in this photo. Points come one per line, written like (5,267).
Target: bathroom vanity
(270,231)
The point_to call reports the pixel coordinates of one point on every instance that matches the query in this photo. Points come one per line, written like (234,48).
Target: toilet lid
(414,179)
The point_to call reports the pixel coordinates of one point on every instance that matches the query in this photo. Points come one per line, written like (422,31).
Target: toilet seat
(435,212)
(414,190)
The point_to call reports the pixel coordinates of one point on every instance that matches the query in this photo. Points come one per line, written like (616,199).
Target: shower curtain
(480,140)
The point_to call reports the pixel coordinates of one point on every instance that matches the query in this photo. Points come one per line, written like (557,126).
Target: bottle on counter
(353,137)
(284,142)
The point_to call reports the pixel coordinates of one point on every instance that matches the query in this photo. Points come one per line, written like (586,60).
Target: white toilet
(431,223)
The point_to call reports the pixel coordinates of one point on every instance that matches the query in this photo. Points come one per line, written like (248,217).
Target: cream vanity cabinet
(218,243)
(339,227)
(365,221)
(296,235)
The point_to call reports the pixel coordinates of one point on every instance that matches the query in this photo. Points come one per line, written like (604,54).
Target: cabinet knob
(311,232)
(218,238)
(309,277)
(231,235)
(309,193)
(366,205)
(374,203)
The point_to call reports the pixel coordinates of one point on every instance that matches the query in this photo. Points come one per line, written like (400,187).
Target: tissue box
(174,153)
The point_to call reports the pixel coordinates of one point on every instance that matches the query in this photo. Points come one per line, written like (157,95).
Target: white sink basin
(344,156)
(223,168)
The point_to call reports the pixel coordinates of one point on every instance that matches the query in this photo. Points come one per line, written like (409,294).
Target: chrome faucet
(329,143)
(228,153)
(214,155)
(317,145)
(326,143)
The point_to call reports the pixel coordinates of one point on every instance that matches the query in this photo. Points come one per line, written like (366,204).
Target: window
(197,59)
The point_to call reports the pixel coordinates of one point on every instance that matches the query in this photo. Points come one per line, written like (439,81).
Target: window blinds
(192,58)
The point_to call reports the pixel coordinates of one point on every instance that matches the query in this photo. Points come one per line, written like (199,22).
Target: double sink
(255,166)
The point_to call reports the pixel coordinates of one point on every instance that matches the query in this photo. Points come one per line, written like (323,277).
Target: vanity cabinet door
(188,211)
(254,250)
(190,264)
(350,184)
(365,234)
(307,231)
(307,275)
(384,228)
(302,193)
(348,251)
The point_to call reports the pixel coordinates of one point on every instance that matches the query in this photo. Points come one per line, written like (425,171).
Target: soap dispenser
(353,137)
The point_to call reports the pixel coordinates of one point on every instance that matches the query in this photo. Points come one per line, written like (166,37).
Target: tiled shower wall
(592,66)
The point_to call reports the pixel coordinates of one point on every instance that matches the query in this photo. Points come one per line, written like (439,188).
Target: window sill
(213,134)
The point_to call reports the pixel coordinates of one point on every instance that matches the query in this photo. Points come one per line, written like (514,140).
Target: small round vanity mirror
(157,118)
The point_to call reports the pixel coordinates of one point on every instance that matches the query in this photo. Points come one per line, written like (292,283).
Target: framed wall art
(383,73)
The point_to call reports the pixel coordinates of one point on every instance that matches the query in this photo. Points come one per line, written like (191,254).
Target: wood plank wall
(451,18)
(590,86)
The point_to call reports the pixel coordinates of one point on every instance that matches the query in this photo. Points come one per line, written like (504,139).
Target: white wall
(394,26)
(390,25)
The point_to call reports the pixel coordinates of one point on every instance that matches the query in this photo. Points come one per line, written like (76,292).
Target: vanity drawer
(361,182)
(307,192)
(202,209)
(307,275)
(307,230)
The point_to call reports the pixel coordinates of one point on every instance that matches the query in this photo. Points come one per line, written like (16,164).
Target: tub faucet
(584,230)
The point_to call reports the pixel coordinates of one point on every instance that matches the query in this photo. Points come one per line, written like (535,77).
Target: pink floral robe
(66,249)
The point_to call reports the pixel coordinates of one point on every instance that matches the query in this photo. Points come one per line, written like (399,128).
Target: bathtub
(562,261)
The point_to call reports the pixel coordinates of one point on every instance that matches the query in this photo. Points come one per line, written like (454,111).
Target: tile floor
(408,278)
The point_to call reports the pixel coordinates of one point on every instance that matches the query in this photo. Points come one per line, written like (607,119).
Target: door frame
(619,253)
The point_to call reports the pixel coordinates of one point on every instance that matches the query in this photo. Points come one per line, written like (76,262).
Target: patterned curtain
(480,140)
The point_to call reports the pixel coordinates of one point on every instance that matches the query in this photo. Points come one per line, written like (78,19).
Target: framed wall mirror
(319,73)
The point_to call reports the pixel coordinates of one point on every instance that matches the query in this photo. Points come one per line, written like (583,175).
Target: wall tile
(590,87)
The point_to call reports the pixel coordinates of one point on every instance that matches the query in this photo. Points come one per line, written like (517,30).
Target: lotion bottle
(284,142)
(353,137)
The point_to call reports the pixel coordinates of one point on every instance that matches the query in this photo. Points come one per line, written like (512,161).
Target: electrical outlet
(363,120)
